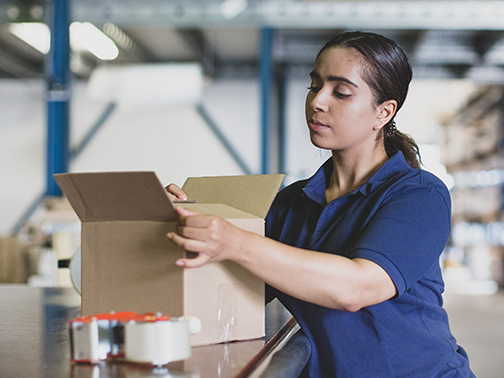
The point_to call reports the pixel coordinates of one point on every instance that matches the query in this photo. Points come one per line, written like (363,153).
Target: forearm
(321,278)
(325,279)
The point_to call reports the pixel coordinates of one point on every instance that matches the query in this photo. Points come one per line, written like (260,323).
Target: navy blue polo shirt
(399,219)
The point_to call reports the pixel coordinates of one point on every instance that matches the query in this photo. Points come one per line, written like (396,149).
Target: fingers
(191,246)
(185,212)
(175,190)
(200,233)
(197,262)
(193,233)
(193,219)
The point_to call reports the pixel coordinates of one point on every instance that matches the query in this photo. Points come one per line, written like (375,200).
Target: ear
(385,112)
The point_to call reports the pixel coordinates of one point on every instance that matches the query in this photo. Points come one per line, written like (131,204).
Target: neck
(352,170)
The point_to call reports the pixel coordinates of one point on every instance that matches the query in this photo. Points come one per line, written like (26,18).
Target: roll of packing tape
(159,342)
(75,270)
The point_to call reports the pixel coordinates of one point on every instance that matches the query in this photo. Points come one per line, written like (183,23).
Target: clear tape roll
(160,342)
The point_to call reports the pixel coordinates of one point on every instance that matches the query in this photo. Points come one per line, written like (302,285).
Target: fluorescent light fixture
(84,36)
(36,34)
(232,8)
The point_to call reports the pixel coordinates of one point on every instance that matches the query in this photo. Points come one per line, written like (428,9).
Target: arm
(321,278)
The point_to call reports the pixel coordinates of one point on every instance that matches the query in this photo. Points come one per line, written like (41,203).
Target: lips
(316,125)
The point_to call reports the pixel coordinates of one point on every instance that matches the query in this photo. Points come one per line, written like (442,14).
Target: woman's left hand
(213,238)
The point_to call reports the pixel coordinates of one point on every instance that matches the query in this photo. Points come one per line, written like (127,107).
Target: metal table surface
(34,342)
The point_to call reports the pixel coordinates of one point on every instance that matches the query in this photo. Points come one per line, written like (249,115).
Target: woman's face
(340,111)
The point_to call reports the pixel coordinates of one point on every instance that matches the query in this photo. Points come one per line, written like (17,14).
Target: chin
(321,143)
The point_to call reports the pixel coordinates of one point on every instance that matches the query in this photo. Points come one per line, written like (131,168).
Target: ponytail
(395,141)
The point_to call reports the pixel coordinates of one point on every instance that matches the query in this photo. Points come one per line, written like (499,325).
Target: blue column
(282,82)
(266,74)
(58,93)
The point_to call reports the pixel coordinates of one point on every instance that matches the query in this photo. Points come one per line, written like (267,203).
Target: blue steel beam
(222,138)
(109,109)
(266,77)
(58,94)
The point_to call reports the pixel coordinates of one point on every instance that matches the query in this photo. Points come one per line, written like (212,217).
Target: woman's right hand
(175,193)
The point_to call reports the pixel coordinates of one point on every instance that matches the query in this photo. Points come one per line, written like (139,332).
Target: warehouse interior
(208,88)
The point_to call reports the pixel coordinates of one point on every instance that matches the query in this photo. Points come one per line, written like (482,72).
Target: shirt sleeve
(408,232)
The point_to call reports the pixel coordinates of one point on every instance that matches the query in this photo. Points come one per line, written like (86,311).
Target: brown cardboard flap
(250,193)
(223,211)
(106,196)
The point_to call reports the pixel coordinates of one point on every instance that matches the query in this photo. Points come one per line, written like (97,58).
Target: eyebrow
(316,75)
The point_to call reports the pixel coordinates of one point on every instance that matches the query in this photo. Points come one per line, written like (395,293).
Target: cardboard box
(12,261)
(128,263)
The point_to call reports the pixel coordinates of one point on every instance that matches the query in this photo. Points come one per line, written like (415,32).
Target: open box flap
(250,193)
(105,196)
(223,211)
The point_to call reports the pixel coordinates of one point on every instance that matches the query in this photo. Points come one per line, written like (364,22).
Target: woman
(353,252)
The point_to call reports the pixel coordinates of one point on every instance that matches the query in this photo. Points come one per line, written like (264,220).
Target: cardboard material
(128,264)
(12,263)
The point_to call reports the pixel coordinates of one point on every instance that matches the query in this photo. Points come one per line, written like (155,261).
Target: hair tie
(392,128)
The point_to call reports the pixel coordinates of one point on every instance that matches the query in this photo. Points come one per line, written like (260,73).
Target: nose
(319,102)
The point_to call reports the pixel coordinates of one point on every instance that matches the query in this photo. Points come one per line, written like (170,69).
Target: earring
(392,128)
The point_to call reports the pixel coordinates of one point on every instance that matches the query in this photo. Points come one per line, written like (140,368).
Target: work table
(34,342)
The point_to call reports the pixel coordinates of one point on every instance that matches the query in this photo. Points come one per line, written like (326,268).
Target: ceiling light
(36,34)
(85,36)
(232,8)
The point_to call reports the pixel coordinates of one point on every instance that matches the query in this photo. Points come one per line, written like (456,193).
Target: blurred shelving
(474,157)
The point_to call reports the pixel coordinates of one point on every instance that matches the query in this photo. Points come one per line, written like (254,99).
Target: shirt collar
(315,187)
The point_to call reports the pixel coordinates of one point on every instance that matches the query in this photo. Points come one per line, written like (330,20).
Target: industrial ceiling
(444,39)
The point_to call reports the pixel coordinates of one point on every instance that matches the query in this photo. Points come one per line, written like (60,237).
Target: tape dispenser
(150,338)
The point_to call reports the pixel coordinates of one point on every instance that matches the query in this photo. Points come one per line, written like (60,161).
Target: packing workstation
(37,344)
(125,280)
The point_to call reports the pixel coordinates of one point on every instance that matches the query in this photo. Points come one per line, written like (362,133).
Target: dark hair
(388,73)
